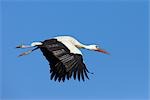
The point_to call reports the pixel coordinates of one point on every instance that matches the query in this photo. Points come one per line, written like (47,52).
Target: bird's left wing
(63,63)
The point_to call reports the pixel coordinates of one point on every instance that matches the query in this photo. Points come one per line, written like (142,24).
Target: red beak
(102,51)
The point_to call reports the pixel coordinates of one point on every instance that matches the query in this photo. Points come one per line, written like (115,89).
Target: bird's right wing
(63,63)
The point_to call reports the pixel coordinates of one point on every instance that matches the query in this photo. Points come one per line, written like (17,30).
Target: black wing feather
(63,64)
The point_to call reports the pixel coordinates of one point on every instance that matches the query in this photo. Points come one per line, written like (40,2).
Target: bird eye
(97,46)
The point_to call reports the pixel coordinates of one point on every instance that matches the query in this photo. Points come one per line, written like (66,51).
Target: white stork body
(70,43)
(64,57)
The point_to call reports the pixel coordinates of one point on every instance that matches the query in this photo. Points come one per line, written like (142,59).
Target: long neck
(87,47)
(80,45)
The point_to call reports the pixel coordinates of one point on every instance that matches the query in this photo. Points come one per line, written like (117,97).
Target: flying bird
(64,57)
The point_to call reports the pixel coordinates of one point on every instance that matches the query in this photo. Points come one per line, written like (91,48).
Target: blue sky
(120,27)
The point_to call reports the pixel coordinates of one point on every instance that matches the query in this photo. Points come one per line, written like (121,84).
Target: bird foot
(25,53)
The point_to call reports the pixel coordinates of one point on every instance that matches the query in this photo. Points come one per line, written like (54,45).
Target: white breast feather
(67,41)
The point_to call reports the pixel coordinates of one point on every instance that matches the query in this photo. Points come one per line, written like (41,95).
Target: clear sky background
(120,27)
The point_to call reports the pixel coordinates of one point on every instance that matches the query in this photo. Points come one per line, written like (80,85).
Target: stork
(64,57)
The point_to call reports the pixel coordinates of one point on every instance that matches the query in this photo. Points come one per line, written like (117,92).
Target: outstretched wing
(63,64)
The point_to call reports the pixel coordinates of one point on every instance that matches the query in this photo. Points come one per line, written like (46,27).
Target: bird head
(97,48)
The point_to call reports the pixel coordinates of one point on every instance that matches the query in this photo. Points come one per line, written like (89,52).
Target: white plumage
(64,56)
(70,43)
